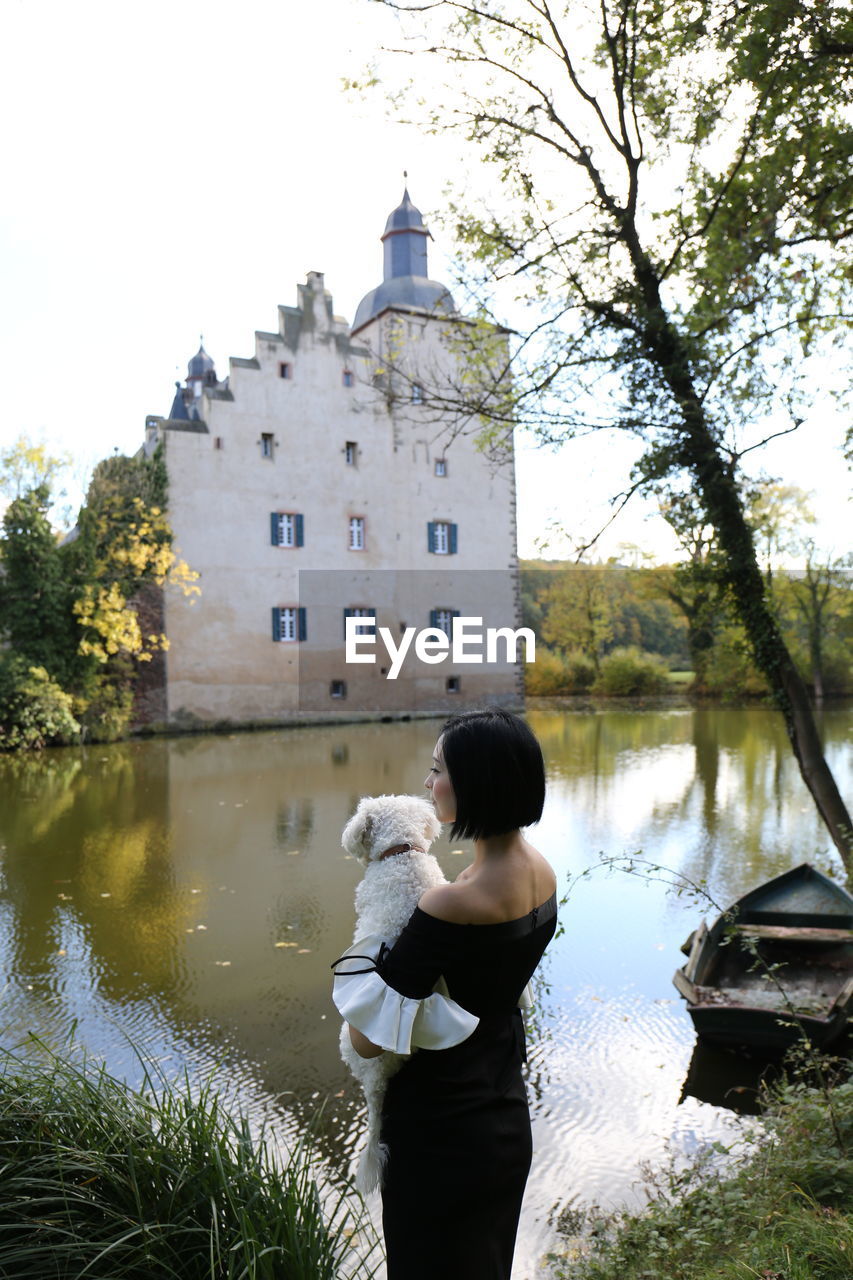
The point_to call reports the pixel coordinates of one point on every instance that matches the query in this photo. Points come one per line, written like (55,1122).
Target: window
(351,452)
(356,533)
(267,444)
(417,393)
(285,370)
(442,619)
(287,529)
(338,689)
(289,624)
(349,379)
(453,684)
(441,538)
(441,466)
(361,611)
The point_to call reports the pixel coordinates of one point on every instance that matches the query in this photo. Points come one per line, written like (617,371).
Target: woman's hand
(364,1048)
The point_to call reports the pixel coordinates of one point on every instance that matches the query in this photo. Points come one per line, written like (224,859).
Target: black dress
(456,1120)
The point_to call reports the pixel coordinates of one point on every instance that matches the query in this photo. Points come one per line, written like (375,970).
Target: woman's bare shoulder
(448,902)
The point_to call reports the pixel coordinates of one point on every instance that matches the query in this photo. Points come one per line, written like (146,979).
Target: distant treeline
(614,629)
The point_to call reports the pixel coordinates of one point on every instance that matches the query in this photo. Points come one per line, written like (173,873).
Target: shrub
(629,671)
(106,713)
(555,673)
(34,710)
(114,1184)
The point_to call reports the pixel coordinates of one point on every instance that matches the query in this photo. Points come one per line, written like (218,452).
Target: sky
(176,168)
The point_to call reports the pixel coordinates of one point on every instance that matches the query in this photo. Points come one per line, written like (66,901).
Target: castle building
(325,479)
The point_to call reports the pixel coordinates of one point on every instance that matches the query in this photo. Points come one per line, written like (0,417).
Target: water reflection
(191,893)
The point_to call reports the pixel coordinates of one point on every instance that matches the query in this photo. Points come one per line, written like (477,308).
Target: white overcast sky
(176,167)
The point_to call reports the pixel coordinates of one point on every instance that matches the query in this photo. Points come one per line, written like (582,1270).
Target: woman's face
(438,783)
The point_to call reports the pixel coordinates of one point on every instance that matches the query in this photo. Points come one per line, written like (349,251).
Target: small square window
(285,370)
(351,452)
(417,393)
(356,533)
(338,689)
(441,466)
(349,378)
(267,444)
(453,684)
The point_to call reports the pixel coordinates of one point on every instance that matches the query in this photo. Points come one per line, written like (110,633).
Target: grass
(783,1210)
(98,1180)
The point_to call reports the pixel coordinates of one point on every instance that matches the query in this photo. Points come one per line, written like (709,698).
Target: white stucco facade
(327,427)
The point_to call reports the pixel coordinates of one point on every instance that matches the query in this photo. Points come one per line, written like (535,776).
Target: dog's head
(380,822)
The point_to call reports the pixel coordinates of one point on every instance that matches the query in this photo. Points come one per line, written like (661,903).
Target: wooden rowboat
(776,965)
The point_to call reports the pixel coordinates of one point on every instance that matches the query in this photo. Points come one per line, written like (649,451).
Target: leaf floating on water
(195,890)
(293,853)
(458,851)
(304,951)
(222,963)
(66,897)
(202,928)
(287,944)
(61,952)
(106,895)
(189,930)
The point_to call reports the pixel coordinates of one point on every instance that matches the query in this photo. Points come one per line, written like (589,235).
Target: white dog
(384,900)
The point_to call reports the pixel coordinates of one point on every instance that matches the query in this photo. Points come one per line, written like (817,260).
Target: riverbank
(117,1184)
(778,1207)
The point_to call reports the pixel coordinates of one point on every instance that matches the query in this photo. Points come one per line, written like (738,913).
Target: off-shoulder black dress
(456,1120)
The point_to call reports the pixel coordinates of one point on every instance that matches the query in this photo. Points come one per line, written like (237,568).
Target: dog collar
(399,848)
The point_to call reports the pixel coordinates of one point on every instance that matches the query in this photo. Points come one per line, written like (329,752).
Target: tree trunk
(699,454)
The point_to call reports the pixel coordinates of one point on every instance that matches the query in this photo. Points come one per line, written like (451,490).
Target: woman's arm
(364,1048)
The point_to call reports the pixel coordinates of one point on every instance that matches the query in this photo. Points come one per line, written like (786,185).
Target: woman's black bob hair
(496,771)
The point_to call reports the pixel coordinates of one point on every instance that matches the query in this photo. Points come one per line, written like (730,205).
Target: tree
(674,202)
(821,600)
(25,466)
(35,601)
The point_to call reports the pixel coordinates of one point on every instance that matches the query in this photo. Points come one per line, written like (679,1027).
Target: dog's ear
(432,826)
(356,835)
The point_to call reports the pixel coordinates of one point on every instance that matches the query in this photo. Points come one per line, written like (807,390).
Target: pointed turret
(406,283)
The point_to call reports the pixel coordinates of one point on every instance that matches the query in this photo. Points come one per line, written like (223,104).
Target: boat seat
(793,933)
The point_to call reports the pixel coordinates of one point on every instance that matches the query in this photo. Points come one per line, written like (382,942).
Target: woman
(455,1119)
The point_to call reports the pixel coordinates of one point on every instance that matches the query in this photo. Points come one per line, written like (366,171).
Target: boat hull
(776,968)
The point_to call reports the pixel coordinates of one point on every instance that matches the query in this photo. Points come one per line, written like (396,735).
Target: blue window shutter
(433,617)
(303,629)
(370,628)
(347,614)
(274,527)
(455,613)
(276,624)
(452,547)
(431,536)
(300,531)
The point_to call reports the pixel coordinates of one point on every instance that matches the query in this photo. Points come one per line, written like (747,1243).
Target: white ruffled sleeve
(394,1022)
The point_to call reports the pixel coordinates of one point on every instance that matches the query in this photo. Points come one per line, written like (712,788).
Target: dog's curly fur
(384,900)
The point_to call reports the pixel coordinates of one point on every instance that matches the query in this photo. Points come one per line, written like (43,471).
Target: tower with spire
(406,284)
(321,479)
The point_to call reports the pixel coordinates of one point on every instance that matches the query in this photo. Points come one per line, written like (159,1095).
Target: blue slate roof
(406,283)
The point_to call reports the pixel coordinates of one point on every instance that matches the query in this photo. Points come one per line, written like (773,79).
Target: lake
(186,896)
